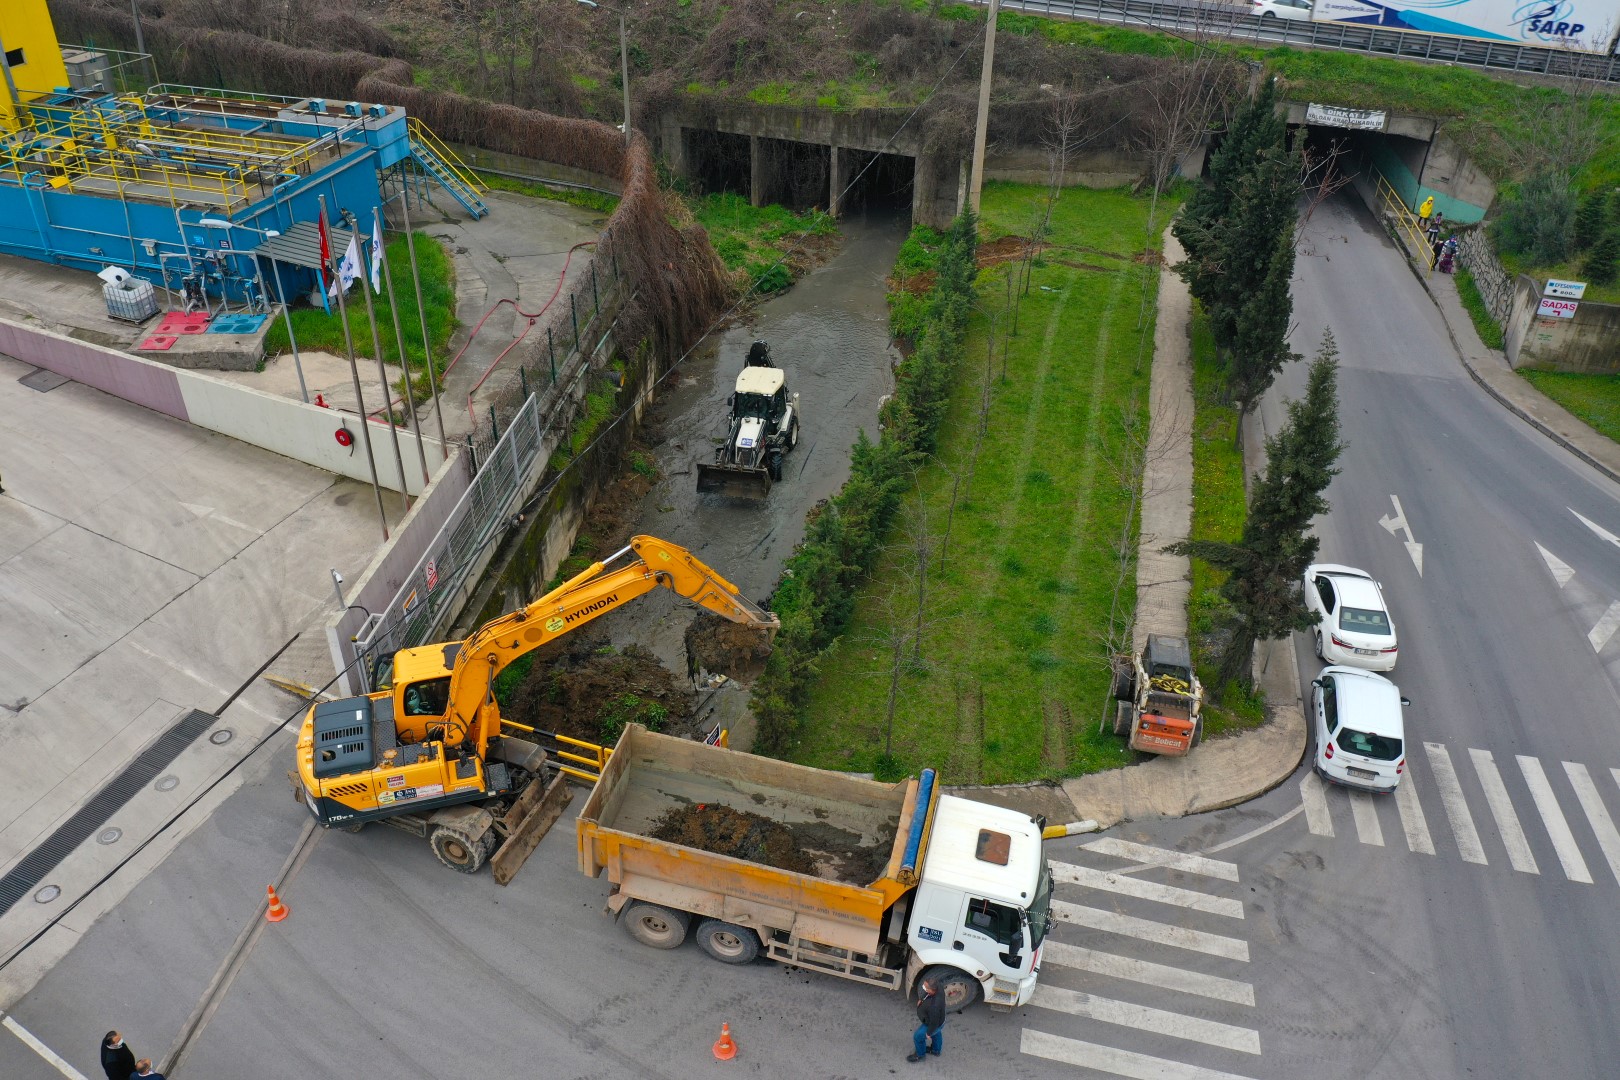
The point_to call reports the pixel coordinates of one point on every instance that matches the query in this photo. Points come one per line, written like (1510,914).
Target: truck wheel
(958,988)
(655,925)
(457,850)
(727,942)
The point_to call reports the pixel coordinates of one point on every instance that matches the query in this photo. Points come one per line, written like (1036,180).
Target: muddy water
(829,333)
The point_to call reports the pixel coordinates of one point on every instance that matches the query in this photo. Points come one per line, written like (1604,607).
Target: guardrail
(1405,221)
(1236,21)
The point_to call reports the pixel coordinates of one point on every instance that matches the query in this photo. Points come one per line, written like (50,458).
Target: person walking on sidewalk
(929,1036)
(117,1060)
(1425,210)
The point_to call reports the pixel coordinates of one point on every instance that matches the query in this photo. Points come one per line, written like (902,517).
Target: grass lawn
(751,239)
(1593,398)
(1220,506)
(1468,292)
(585,198)
(1012,675)
(318,330)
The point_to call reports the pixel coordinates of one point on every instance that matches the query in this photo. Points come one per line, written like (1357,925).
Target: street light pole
(977,178)
(624,67)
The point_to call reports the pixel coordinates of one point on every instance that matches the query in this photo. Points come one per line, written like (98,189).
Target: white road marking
(1366,815)
(1563,841)
(1111,1060)
(1261,831)
(1595,527)
(1415,825)
(1507,822)
(1142,1018)
(1396,524)
(1154,856)
(1141,971)
(1314,798)
(1600,634)
(1596,814)
(1088,878)
(1147,930)
(1560,570)
(1456,807)
(51,1057)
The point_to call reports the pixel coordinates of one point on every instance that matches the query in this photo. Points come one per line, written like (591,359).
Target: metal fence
(526,420)
(1237,21)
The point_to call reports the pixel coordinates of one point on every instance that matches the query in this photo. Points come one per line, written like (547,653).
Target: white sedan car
(1353,624)
(1360,732)
(1293,10)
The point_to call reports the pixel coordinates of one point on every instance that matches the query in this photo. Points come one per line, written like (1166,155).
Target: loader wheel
(655,925)
(1122,717)
(773,464)
(1124,684)
(354,828)
(793,434)
(457,850)
(959,989)
(1198,731)
(728,943)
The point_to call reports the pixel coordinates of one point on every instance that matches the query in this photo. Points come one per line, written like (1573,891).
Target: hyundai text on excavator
(428,755)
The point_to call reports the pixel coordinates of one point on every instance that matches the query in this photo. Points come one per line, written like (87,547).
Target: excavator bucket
(534,813)
(737,481)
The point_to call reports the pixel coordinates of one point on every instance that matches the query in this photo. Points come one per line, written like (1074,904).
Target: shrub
(1603,260)
(1538,221)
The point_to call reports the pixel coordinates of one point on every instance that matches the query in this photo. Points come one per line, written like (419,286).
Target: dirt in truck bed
(812,848)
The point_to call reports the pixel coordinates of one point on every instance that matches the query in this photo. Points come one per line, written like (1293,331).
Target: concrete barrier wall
(290,428)
(1588,344)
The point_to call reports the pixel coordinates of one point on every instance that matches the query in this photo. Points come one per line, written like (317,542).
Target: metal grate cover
(31,870)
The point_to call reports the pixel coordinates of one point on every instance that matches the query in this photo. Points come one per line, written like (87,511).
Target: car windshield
(1040,908)
(1365,743)
(1364,621)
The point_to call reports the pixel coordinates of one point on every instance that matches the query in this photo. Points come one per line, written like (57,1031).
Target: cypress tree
(1603,260)
(1260,337)
(1591,219)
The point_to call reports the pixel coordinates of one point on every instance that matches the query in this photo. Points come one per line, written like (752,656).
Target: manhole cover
(110,835)
(42,380)
(167,783)
(47,894)
(222,736)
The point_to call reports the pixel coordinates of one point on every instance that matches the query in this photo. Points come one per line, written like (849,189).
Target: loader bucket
(533,815)
(737,481)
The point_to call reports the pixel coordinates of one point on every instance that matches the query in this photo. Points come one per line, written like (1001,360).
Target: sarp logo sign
(1550,21)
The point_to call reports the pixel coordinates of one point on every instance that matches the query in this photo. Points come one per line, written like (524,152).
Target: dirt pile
(737,833)
(590,691)
(723,647)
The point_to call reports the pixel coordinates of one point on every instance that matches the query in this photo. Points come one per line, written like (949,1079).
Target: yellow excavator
(428,754)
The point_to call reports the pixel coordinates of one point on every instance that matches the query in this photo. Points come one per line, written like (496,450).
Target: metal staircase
(448,171)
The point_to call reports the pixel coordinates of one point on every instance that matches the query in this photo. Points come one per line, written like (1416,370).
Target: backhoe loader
(428,754)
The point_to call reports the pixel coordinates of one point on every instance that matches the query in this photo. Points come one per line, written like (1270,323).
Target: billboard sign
(1552,308)
(1337,116)
(1578,25)
(1569,290)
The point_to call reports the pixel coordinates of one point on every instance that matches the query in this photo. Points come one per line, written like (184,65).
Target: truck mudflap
(531,817)
(737,481)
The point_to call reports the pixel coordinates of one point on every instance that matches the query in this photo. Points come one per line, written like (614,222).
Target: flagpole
(382,374)
(421,313)
(404,361)
(354,371)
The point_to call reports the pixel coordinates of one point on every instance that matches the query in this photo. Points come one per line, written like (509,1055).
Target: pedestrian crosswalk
(1145,952)
(1539,820)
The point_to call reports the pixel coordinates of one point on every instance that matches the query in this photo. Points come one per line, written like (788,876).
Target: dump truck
(1159,700)
(433,755)
(762,426)
(908,881)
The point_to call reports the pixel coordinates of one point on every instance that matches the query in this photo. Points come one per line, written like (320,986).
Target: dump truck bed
(852,830)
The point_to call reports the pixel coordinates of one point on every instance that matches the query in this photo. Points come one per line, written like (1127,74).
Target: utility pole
(977,178)
(624,77)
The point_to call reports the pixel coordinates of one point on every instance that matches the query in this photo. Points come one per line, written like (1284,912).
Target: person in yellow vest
(1424,211)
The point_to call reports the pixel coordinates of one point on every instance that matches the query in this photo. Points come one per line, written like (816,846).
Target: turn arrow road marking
(1396,524)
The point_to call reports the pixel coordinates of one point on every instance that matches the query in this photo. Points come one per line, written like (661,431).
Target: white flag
(348,269)
(376,254)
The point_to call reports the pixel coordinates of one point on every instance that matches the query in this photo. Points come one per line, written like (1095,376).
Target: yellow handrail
(1405,221)
(424,135)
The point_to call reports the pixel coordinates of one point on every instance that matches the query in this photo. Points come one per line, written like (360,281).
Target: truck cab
(983,904)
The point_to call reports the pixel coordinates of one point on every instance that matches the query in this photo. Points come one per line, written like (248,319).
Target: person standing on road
(143,1071)
(1425,210)
(117,1060)
(929,1036)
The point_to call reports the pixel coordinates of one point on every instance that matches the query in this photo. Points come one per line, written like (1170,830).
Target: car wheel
(1318,635)
(1268,14)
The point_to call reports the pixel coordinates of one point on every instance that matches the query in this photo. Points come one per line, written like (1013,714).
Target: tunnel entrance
(718,160)
(875,181)
(794,174)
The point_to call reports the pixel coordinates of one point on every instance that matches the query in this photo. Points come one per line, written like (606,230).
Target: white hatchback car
(1292,10)
(1353,624)
(1360,731)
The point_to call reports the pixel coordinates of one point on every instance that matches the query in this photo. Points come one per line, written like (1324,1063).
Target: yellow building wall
(35,56)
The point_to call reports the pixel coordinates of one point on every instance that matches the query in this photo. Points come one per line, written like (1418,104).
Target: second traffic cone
(724,1048)
(277,910)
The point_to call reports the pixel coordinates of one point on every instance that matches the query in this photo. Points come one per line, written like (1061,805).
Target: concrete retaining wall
(290,428)
(1589,343)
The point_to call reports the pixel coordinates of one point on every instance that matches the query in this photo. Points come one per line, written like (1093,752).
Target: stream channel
(830,334)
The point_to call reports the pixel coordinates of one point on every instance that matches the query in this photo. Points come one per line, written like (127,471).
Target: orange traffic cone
(278,910)
(724,1048)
